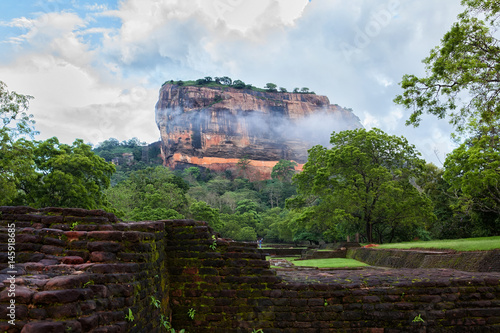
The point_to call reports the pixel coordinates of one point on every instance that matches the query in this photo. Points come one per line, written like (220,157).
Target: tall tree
(473,172)
(284,170)
(154,191)
(462,80)
(243,166)
(201,211)
(271,87)
(16,152)
(67,176)
(363,182)
(463,84)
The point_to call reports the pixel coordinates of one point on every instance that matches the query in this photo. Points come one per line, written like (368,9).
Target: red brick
(43,326)
(72,260)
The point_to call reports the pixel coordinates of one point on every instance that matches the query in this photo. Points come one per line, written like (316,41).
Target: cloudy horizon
(95,69)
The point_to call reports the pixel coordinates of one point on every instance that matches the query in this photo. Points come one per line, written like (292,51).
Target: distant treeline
(225,81)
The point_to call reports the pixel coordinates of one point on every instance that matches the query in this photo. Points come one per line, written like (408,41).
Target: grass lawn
(330,263)
(465,244)
(324,263)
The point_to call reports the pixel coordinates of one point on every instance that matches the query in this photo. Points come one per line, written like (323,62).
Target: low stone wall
(283,252)
(315,254)
(80,271)
(477,261)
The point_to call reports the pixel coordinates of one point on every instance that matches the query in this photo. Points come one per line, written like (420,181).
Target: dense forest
(409,198)
(231,204)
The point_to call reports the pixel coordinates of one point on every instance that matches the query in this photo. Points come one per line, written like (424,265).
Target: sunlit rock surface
(215,127)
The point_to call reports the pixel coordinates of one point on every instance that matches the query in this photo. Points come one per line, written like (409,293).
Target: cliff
(214,127)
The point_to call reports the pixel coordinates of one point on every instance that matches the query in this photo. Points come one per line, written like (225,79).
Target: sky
(95,68)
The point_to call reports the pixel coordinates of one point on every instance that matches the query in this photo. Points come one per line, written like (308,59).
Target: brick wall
(231,289)
(81,271)
(222,281)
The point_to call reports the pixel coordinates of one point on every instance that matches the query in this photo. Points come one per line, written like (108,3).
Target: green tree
(192,174)
(274,192)
(112,148)
(238,84)
(226,80)
(462,73)
(243,166)
(473,172)
(201,211)
(67,176)
(363,183)
(271,87)
(247,206)
(247,234)
(154,214)
(150,191)
(219,185)
(284,170)
(234,224)
(16,151)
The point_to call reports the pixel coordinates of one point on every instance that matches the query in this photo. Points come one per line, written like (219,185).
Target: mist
(273,130)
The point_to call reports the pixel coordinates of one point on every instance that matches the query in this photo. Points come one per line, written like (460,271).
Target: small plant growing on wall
(155,302)
(130,316)
(88,283)
(191,313)
(214,244)
(418,319)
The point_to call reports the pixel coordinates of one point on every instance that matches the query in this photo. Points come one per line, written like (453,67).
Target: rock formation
(216,127)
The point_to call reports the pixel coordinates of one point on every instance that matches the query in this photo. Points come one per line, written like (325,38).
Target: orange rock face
(216,127)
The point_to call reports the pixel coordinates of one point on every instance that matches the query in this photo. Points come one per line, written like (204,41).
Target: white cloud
(96,7)
(370,121)
(52,25)
(21,22)
(71,103)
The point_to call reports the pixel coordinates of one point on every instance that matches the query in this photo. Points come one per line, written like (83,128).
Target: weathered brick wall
(473,261)
(443,306)
(81,271)
(231,289)
(222,281)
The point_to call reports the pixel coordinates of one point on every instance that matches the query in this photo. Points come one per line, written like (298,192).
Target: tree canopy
(45,173)
(66,176)
(473,172)
(16,127)
(362,184)
(462,81)
(284,170)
